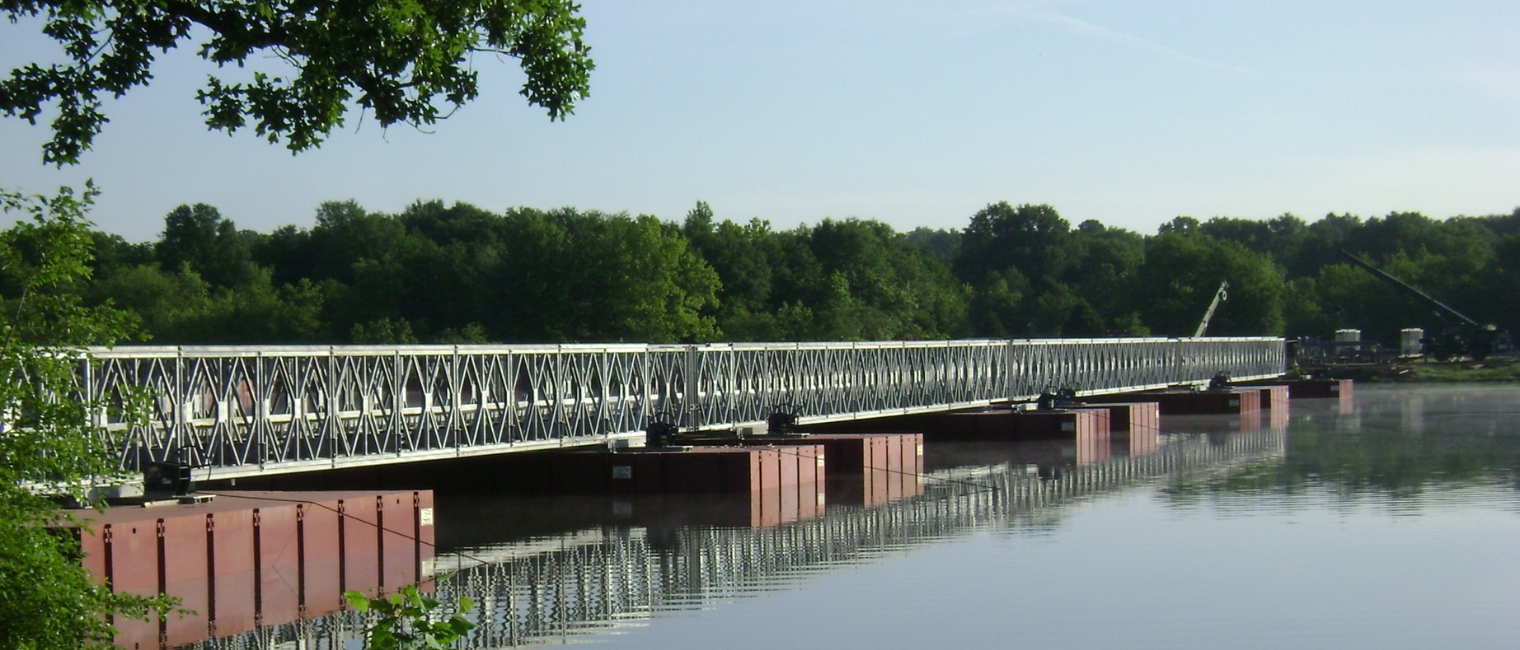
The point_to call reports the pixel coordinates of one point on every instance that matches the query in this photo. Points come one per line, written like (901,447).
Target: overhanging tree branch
(405,59)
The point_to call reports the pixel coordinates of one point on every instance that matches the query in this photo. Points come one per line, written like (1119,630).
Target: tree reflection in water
(1400,442)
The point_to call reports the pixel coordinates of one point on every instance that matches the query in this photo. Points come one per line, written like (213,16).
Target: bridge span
(237,411)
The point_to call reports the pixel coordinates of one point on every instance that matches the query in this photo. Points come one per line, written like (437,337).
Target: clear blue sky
(911,113)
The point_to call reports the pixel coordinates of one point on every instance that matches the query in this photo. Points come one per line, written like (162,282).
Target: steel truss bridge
(600,579)
(257,410)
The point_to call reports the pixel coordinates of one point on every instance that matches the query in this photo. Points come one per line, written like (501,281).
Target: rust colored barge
(1129,417)
(248,559)
(1242,401)
(1316,388)
(690,470)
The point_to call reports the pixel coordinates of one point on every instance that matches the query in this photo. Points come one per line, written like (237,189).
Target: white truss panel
(241,411)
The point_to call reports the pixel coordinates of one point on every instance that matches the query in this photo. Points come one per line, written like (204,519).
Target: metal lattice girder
(248,410)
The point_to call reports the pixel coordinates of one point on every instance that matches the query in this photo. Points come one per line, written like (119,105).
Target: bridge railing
(1096,366)
(241,411)
(743,382)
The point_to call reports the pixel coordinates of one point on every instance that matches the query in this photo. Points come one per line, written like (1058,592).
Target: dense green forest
(461,274)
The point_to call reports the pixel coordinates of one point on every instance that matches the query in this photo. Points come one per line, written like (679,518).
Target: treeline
(436,273)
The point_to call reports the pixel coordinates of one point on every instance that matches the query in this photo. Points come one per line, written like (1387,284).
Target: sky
(911,113)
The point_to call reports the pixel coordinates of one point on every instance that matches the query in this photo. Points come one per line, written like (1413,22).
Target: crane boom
(1442,309)
(1219,296)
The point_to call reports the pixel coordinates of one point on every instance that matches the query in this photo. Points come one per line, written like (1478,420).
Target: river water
(1389,522)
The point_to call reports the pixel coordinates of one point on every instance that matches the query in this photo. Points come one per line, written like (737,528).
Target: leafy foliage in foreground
(405,621)
(402,61)
(47,598)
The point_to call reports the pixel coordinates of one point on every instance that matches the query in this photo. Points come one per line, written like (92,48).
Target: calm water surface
(1390,523)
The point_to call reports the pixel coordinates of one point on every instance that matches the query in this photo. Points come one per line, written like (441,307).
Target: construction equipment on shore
(1461,335)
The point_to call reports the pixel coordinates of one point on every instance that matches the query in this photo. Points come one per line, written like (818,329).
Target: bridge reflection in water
(610,575)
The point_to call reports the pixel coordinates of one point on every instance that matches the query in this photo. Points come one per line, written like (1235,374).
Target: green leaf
(381,639)
(356,600)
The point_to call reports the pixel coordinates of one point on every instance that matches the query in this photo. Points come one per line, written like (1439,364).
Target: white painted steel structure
(242,411)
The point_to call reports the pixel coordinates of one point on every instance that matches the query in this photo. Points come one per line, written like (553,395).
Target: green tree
(112,251)
(1323,241)
(1033,275)
(383,330)
(1061,312)
(1502,224)
(1183,268)
(1030,238)
(996,303)
(346,234)
(1304,313)
(205,287)
(1349,295)
(881,286)
(457,273)
(198,238)
(632,279)
(742,256)
(941,244)
(1104,274)
(1282,237)
(402,62)
(49,600)
(169,305)
(1504,279)
(847,279)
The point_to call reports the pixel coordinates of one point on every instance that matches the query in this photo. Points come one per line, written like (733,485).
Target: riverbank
(1497,370)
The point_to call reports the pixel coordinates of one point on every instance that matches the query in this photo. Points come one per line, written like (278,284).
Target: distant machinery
(1219,297)
(1409,342)
(1220,382)
(662,430)
(1064,397)
(782,419)
(1460,336)
(1348,343)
